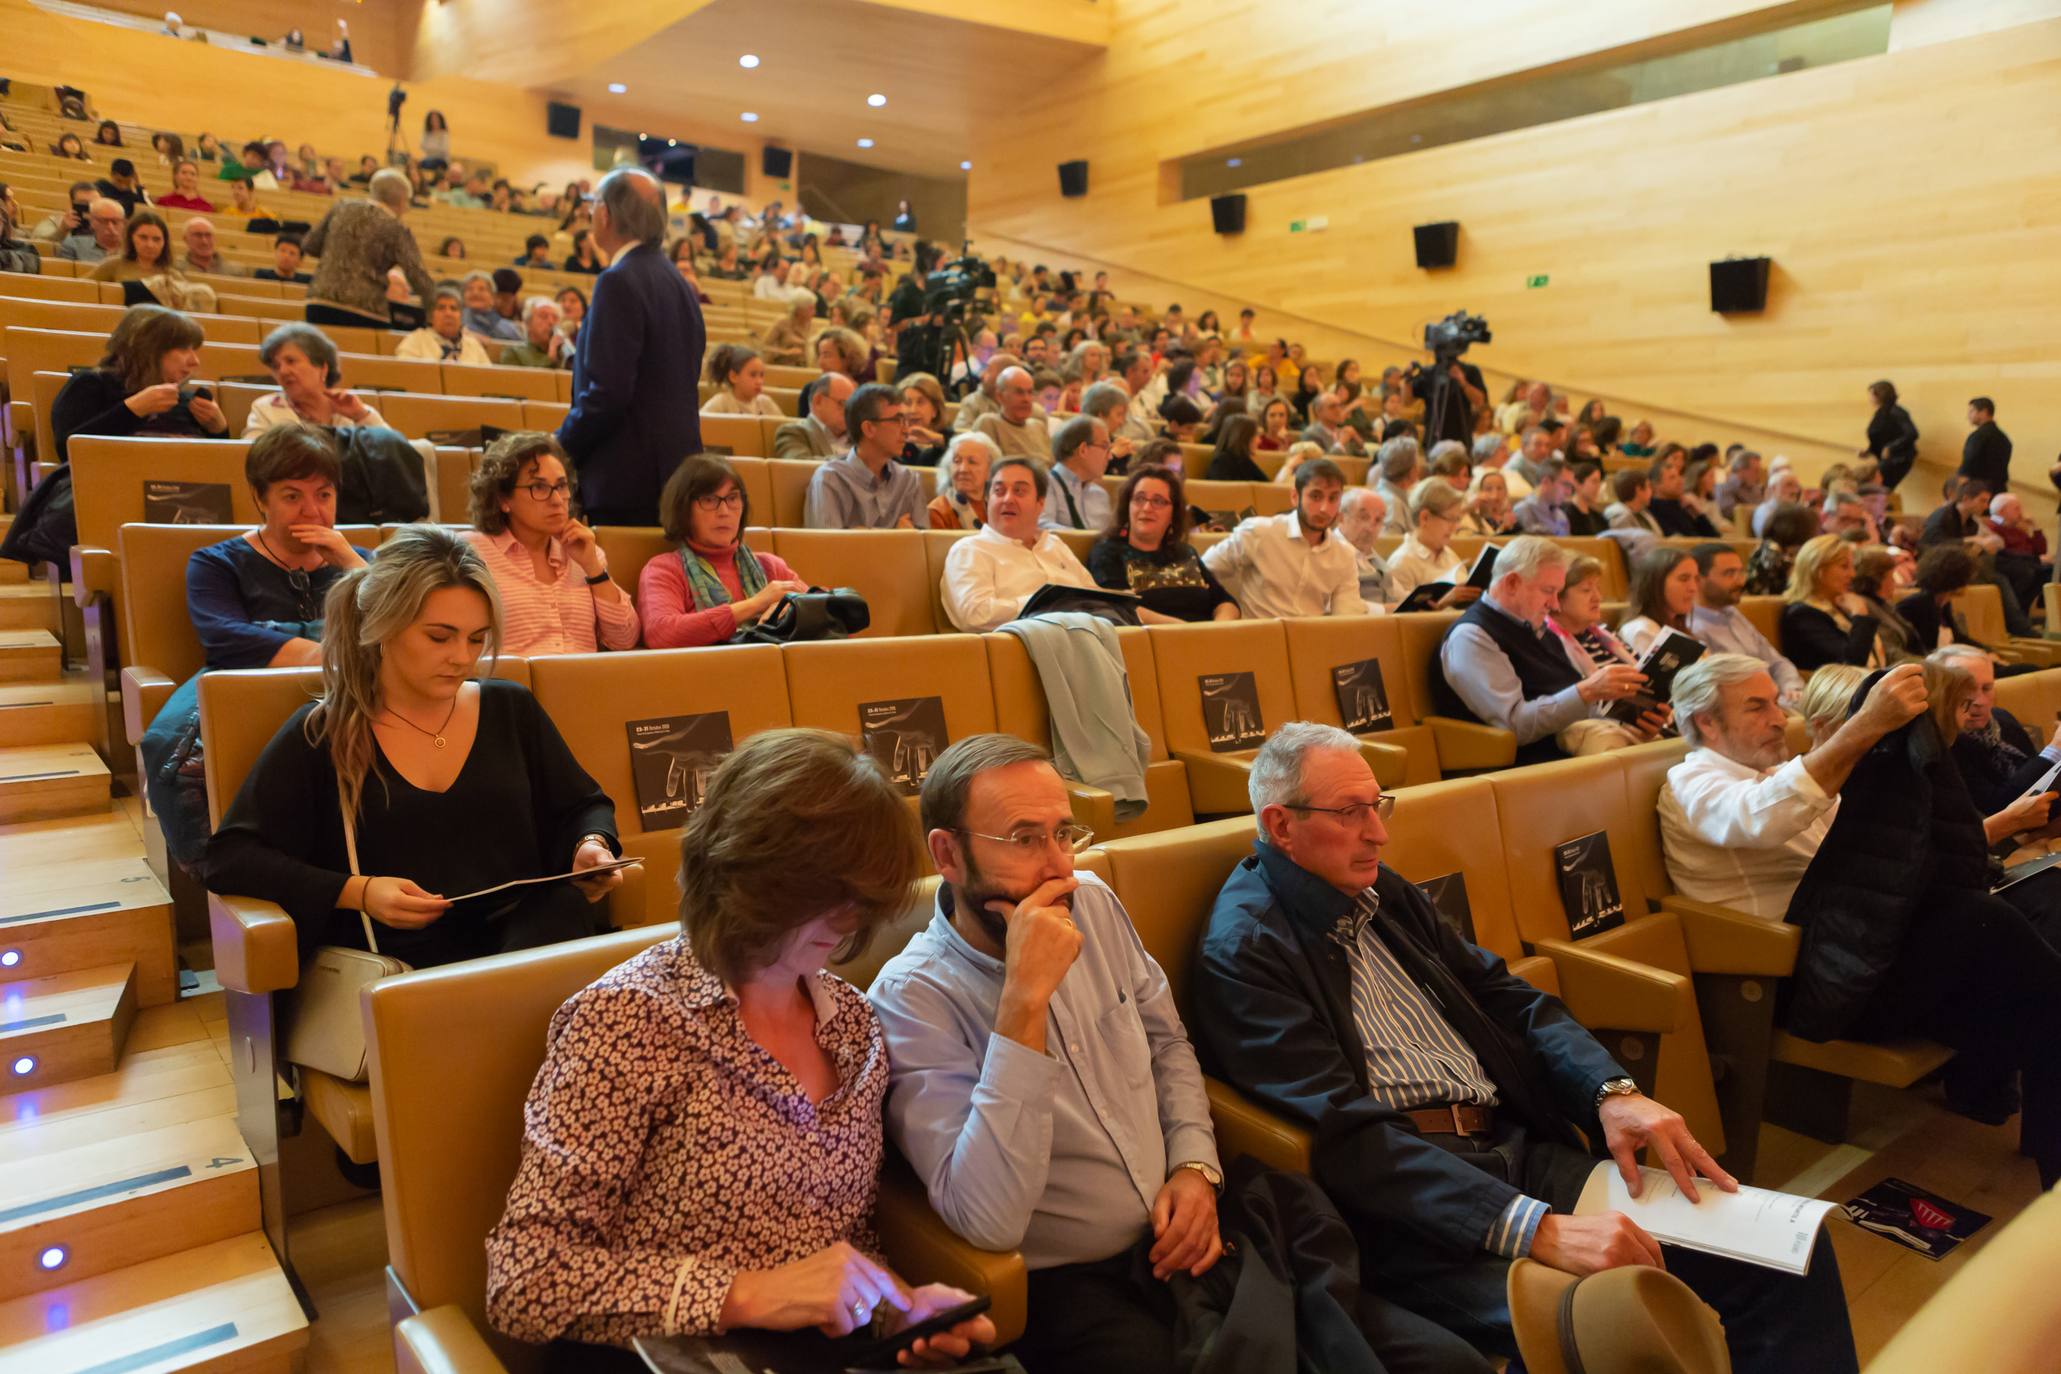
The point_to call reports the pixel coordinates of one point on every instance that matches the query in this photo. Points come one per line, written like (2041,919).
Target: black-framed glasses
(1354,813)
(728,500)
(1069,838)
(548,491)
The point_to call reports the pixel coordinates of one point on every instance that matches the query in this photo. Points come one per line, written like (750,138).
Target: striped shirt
(556,617)
(1415,1058)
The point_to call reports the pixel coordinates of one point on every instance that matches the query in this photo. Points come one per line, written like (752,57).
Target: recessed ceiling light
(24,1066)
(617,88)
(865,143)
(965,166)
(748,117)
(53,1257)
(10,958)
(876,100)
(750,59)
(672,143)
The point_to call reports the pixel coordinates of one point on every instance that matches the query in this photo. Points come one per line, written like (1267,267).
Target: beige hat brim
(1534,1292)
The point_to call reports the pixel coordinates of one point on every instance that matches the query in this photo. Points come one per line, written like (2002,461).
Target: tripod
(953,331)
(396,137)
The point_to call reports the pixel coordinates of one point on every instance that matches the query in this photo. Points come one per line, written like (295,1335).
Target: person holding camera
(72,220)
(139,386)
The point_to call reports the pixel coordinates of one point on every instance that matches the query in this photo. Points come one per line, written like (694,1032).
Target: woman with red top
(711,585)
(185,193)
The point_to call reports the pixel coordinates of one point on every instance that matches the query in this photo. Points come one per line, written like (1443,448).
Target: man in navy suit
(636,407)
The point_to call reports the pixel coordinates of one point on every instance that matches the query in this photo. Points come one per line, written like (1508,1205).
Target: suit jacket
(1273,1015)
(635,409)
(805,438)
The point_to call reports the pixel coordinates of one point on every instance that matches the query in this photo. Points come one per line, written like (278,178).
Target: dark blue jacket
(1273,1016)
(636,409)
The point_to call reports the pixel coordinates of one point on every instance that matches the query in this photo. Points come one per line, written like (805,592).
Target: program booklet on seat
(1754,1225)
(1449,895)
(906,735)
(1481,573)
(186,503)
(1231,712)
(1914,1218)
(1588,885)
(672,759)
(1362,697)
(1667,656)
(1119,608)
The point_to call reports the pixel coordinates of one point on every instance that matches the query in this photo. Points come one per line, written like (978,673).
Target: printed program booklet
(1914,1218)
(906,735)
(1588,885)
(1667,656)
(185,503)
(1231,711)
(1362,696)
(672,759)
(1481,573)
(1449,895)
(1755,1225)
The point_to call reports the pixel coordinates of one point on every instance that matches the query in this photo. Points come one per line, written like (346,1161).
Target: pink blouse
(664,1151)
(665,600)
(556,617)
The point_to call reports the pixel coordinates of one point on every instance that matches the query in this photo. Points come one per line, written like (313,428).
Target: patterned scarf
(708,588)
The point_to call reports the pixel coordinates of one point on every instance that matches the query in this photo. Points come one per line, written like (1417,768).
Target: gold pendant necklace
(436,736)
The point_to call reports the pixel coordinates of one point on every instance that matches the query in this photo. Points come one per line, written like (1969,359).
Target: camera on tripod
(1446,414)
(1448,338)
(952,286)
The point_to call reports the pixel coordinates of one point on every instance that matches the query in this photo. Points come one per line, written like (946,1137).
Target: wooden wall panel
(373,33)
(1909,201)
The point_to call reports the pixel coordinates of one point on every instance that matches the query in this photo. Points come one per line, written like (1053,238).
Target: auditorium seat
(432,417)
(1421,634)
(739,435)
(887,567)
(790,481)
(513,383)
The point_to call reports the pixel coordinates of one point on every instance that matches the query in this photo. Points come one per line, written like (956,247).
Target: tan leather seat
(937,546)
(887,567)
(828,681)
(1996,1313)
(740,434)
(426,417)
(1319,644)
(789,478)
(1765,612)
(514,383)
(417,375)
(1020,710)
(544,417)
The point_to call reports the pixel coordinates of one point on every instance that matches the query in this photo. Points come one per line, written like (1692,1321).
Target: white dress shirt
(988,576)
(1274,573)
(1741,837)
(1414,565)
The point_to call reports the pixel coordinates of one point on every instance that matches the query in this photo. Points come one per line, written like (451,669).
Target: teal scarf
(708,588)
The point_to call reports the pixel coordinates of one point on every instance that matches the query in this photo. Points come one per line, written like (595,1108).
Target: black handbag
(814,614)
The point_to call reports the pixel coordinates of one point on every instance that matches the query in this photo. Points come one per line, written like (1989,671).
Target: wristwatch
(1615,1087)
(1210,1175)
(598,578)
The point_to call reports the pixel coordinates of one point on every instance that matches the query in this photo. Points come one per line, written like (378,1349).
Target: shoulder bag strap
(351,851)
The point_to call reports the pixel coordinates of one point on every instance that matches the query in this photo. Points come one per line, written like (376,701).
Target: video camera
(1448,338)
(950,287)
(395,99)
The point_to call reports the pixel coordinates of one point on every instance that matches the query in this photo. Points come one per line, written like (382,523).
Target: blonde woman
(1828,699)
(1426,553)
(740,377)
(841,350)
(444,782)
(786,341)
(1823,621)
(1488,504)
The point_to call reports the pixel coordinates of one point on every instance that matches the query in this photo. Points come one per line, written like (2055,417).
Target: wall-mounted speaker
(1073,178)
(1227,213)
(1739,286)
(1438,245)
(777,163)
(562,121)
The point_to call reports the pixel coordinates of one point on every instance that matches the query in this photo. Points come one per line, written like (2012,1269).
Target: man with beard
(1297,563)
(1724,629)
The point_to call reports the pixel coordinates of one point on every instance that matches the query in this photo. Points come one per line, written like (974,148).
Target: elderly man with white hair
(542,345)
(2021,560)
(1501,666)
(201,254)
(1016,429)
(1360,513)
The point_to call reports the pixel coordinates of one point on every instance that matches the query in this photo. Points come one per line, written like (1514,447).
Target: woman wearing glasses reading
(556,595)
(711,585)
(1146,550)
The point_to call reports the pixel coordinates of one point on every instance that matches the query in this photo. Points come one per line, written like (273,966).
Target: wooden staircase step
(121,1201)
(55,712)
(30,656)
(221,1307)
(12,573)
(44,781)
(66,1026)
(106,913)
(27,605)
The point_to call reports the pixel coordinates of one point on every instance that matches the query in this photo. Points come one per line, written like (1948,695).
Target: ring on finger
(861,1313)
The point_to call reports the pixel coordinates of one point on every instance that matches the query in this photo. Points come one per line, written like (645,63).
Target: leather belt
(1454,1119)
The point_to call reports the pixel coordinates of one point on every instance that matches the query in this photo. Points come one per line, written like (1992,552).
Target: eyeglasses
(1356,813)
(896,419)
(1068,838)
(548,491)
(1151,502)
(729,500)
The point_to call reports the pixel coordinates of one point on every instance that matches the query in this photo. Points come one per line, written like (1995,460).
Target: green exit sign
(1296,226)
(1535,282)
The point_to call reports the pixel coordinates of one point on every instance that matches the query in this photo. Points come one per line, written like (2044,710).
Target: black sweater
(1171,580)
(93,402)
(1811,638)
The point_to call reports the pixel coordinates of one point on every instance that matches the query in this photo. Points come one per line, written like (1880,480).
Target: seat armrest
(21,428)
(1722,940)
(144,693)
(1604,991)
(1093,807)
(255,948)
(1216,782)
(1245,1128)
(923,1249)
(94,573)
(1390,762)
(1466,745)
(443,1340)
(1537,971)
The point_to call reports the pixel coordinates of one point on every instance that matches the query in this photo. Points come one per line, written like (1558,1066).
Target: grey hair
(1276,777)
(1074,433)
(1945,654)
(1996,503)
(968,439)
(1399,457)
(312,342)
(1436,495)
(633,216)
(1486,446)
(1104,398)
(535,303)
(1443,447)
(1356,497)
(1527,556)
(389,187)
(1698,686)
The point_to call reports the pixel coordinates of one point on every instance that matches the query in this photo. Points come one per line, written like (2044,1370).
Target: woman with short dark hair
(711,584)
(1146,551)
(1232,460)
(1892,436)
(1944,571)
(584,256)
(138,387)
(1787,527)
(109,134)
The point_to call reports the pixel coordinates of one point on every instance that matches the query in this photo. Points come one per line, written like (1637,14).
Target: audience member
(1722,627)
(286,262)
(481,317)
(201,255)
(1662,595)
(821,432)
(962,503)
(542,344)
(556,594)
(311,391)
(1745,484)
(1461,1110)
(1401,464)
(635,412)
(711,585)
(138,386)
(1426,553)
(866,488)
(402,638)
(1530,459)
(1881,573)
(2022,559)
(838,349)
(445,338)
(1360,513)
(1076,499)
(1986,456)
(74,220)
(1822,620)
(1577,618)
(1145,550)
(740,377)
(1544,512)
(1487,513)
(1767,567)
(1634,492)
(1500,666)
(1232,459)
(358,242)
(1327,425)
(122,186)
(786,340)
(1274,433)
(69,146)
(1892,438)
(1016,429)
(1944,572)
(1998,759)
(1670,508)
(990,574)
(185,193)
(1584,507)
(1295,563)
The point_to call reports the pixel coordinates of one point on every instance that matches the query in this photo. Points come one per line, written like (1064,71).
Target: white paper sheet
(1757,1225)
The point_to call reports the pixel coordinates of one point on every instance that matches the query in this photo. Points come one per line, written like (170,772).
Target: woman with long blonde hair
(410,782)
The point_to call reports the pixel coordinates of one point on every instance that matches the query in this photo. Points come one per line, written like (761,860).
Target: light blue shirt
(1536,517)
(1057,1154)
(843,495)
(1481,673)
(1089,499)
(1730,632)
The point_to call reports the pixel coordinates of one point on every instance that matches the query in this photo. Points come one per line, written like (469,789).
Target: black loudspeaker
(1438,245)
(1228,213)
(1073,178)
(562,121)
(1739,285)
(777,163)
